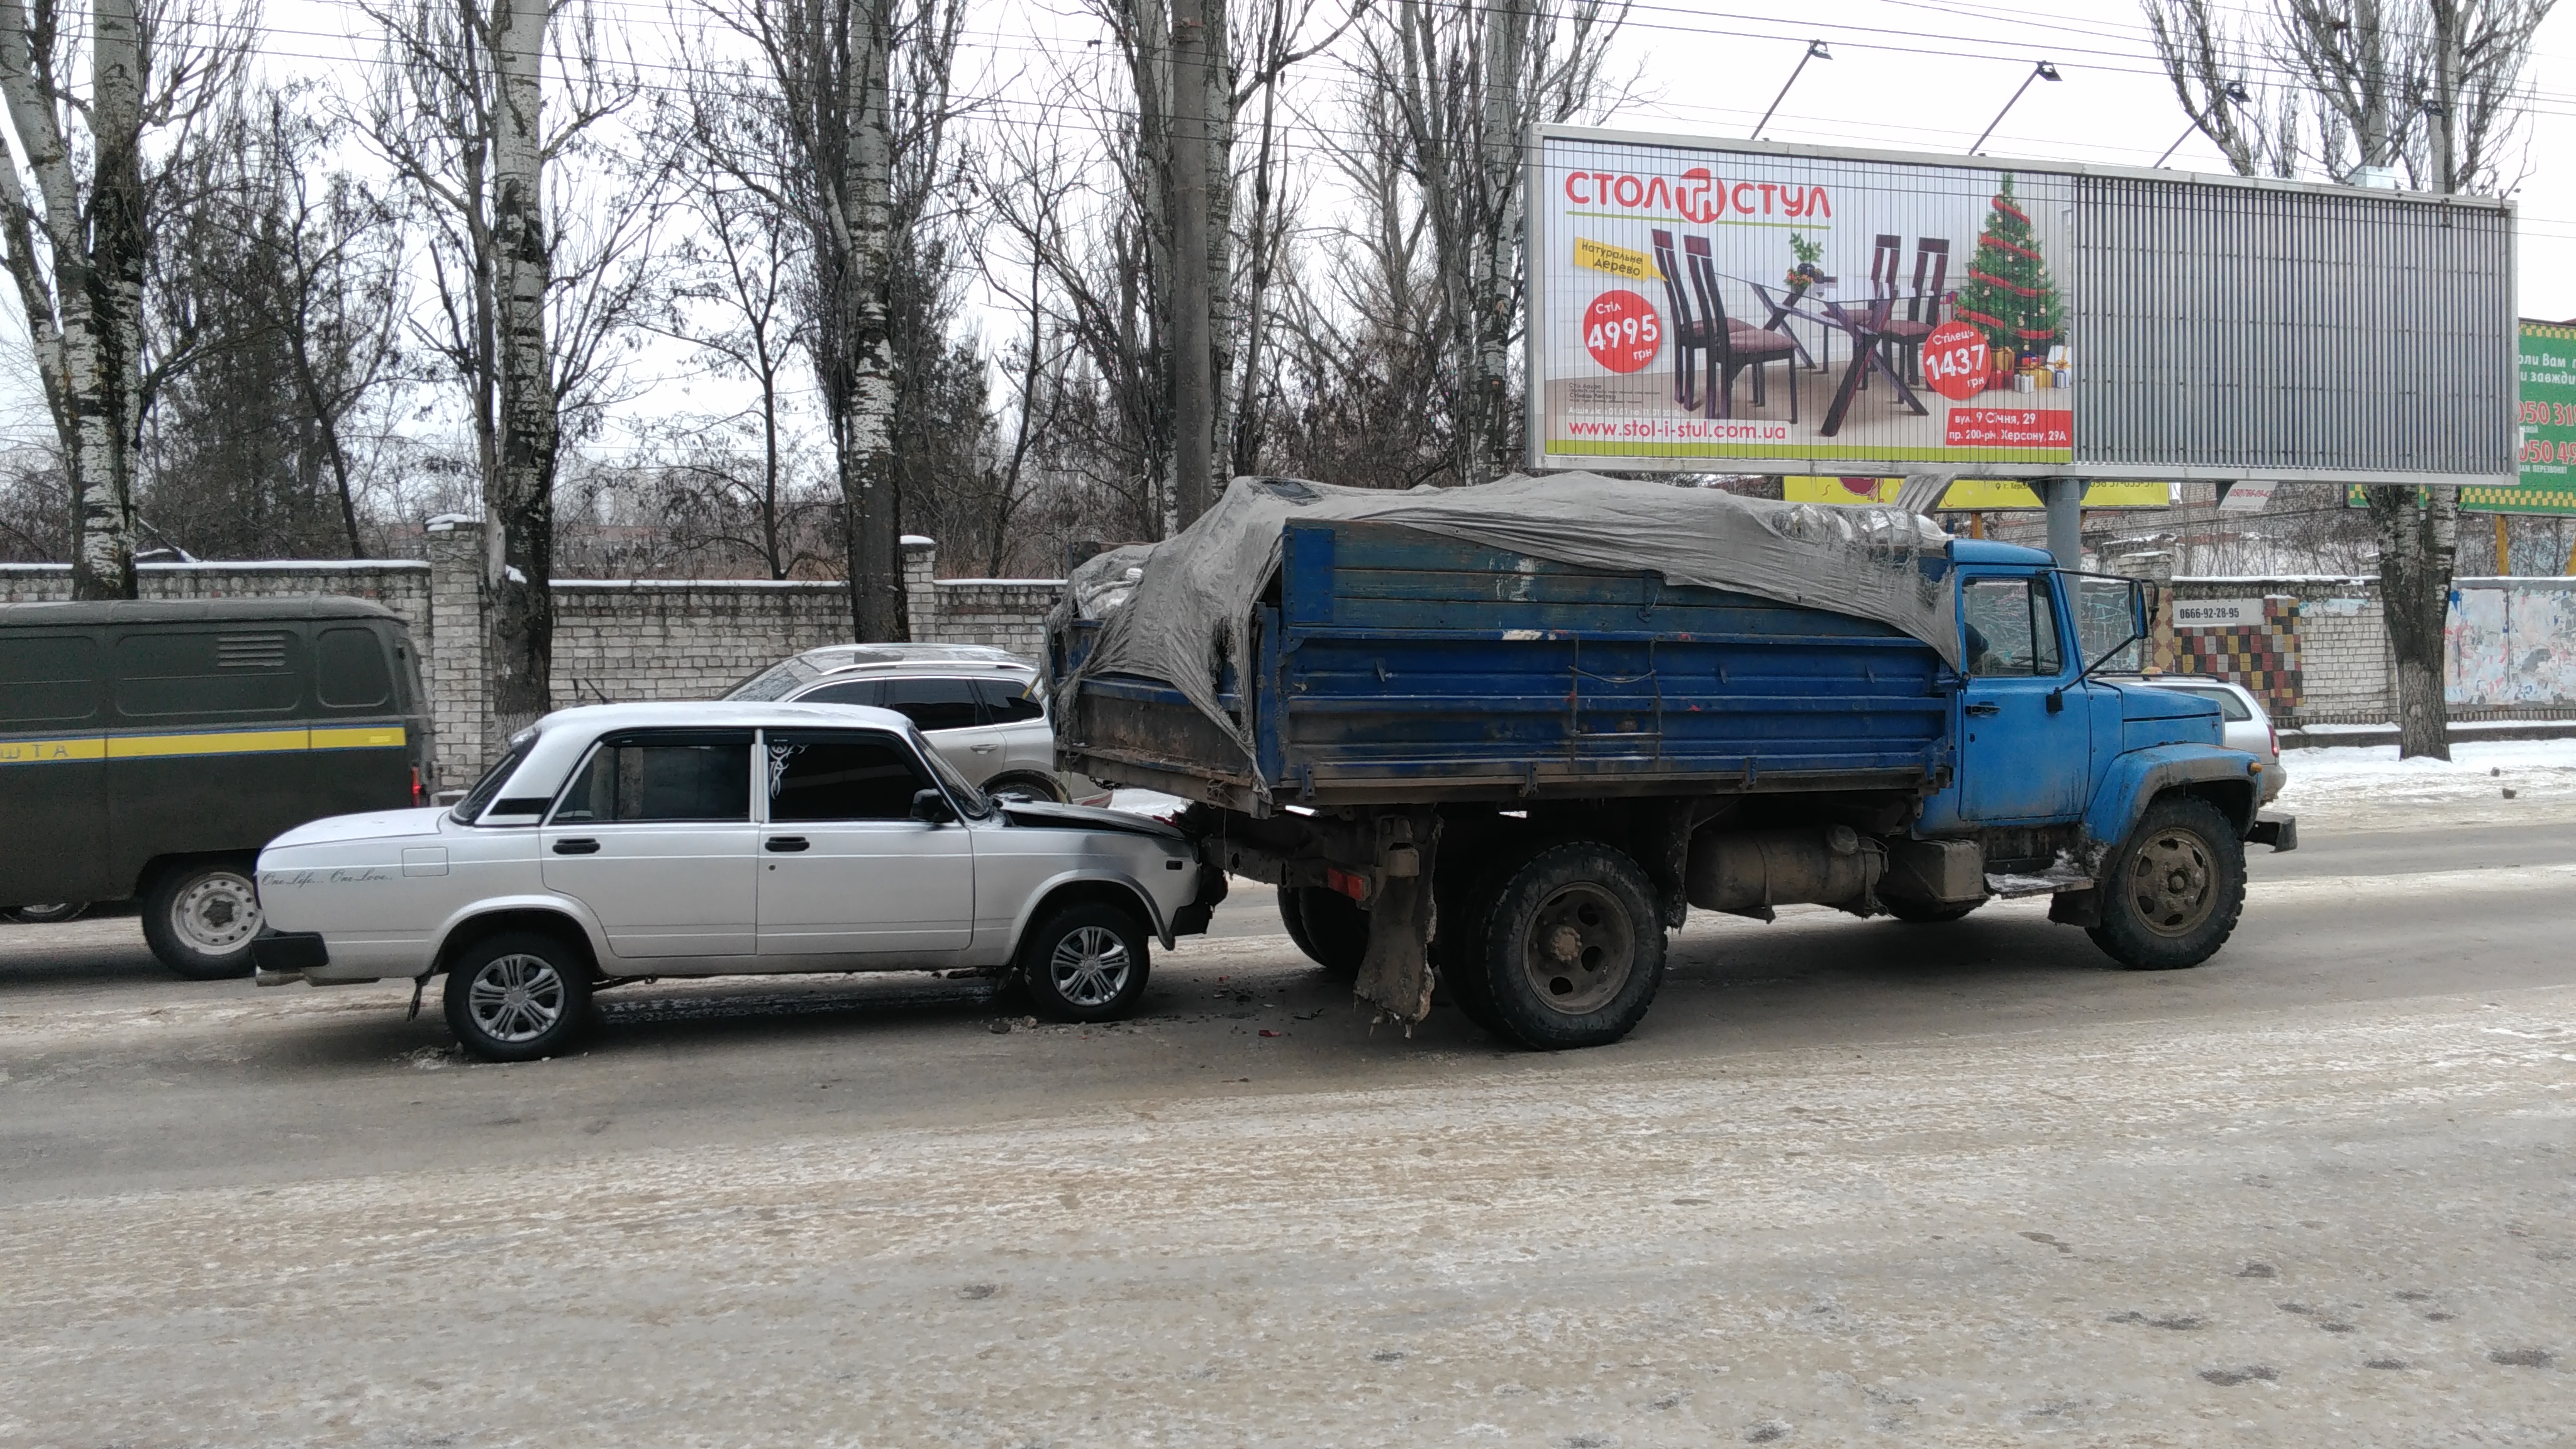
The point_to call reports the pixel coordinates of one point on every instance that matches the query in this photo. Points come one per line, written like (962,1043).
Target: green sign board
(2545,420)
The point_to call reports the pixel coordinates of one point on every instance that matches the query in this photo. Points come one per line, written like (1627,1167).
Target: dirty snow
(2369,788)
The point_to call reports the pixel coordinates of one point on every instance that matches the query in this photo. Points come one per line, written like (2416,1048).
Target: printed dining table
(1864,321)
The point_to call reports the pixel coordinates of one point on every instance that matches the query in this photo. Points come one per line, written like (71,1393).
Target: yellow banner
(1972,493)
(1617,261)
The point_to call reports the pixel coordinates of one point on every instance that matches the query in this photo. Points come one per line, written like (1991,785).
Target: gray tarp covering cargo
(1190,606)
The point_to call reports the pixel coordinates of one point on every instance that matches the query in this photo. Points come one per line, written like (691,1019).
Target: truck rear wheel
(1328,926)
(1572,949)
(2174,892)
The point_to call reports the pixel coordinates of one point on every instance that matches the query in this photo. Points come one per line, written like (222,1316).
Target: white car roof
(592,720)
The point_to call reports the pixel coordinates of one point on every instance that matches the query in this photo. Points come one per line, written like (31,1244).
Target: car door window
(848,691)
(1008,701)
(703,776)
(2009,627)
(935,703)
(819,776)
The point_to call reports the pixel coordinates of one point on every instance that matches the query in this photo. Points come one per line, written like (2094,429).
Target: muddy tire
(517,996)
(1928,913)
(1572,949)
(2174,891)
(1086,963)
(1328,926)
(199,917)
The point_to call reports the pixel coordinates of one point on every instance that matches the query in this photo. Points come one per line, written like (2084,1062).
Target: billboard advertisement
(2545,425)
(1970,495)
(1703,305)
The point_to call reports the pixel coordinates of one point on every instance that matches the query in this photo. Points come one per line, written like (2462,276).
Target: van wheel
(515,996)
(199,919)
(1573,948)
(1328,926)
(1928,913)
(1086,963)
(1035,789)
(2174,892)
(51,914)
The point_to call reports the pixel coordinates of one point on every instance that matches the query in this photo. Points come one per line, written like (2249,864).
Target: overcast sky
(1924,75)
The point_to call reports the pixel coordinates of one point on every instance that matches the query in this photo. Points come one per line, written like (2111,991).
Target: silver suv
(983,709)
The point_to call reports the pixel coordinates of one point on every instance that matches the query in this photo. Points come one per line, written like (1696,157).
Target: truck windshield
(2106,628)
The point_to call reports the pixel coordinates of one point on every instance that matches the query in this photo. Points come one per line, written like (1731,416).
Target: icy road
(1853,1182)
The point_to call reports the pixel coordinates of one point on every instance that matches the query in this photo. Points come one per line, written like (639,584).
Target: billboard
(2544,416)
(1970,495)
(1751,307)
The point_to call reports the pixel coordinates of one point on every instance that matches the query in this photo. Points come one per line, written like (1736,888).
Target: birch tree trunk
(867,429)
(519,492)
(110,392)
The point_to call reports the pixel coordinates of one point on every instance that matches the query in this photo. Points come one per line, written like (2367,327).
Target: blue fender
(2136,778)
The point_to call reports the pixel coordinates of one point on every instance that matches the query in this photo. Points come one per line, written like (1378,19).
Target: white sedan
(626,841)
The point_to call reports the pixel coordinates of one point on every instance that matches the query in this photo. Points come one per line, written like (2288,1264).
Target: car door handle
(985,749)
(1987,707)
(784,842)
(577,845)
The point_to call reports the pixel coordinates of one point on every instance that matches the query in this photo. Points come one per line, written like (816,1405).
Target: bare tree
(539,280)
(2420,84)
(95,167)
(1466,82)
(286,277)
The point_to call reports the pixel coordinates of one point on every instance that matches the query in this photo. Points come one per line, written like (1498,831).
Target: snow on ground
(2368,787)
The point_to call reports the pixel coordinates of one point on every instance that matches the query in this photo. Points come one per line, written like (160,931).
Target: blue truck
(1508,775)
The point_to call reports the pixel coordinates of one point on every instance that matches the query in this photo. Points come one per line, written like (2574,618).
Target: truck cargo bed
(1396,665)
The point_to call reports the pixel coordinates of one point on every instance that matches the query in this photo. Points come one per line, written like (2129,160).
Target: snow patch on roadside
(2368,786)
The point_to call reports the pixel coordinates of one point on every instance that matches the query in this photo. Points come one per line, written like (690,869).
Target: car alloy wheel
(516,998)
(1089,967)
(216,913)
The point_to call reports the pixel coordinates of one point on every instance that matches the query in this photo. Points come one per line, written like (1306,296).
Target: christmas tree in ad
(2009,296)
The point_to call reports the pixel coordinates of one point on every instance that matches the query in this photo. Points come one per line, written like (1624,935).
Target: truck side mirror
(2057,701)
(931,808)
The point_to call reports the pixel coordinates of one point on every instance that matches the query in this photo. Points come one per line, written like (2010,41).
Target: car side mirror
(931,808)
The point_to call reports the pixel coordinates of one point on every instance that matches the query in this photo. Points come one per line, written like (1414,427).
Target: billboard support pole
(2065,500)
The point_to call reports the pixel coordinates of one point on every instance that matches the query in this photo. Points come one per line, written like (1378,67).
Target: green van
(149,748)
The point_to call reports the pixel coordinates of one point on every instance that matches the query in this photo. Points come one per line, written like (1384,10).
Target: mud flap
(1395,974)
(2076,908)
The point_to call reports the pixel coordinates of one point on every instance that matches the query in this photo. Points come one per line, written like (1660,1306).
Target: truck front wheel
(1573,948)
(2174,892)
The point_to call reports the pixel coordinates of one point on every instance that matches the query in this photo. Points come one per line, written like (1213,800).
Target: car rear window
(701,775)
(2229,706)
(1009,701)
(349,669)
(934,703)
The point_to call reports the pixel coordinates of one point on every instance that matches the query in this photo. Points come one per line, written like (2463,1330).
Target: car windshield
(480,797)
(969,799)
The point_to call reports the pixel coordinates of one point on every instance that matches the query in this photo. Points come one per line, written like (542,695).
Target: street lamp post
(1815,51)
(2042,71)
(2234,95)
